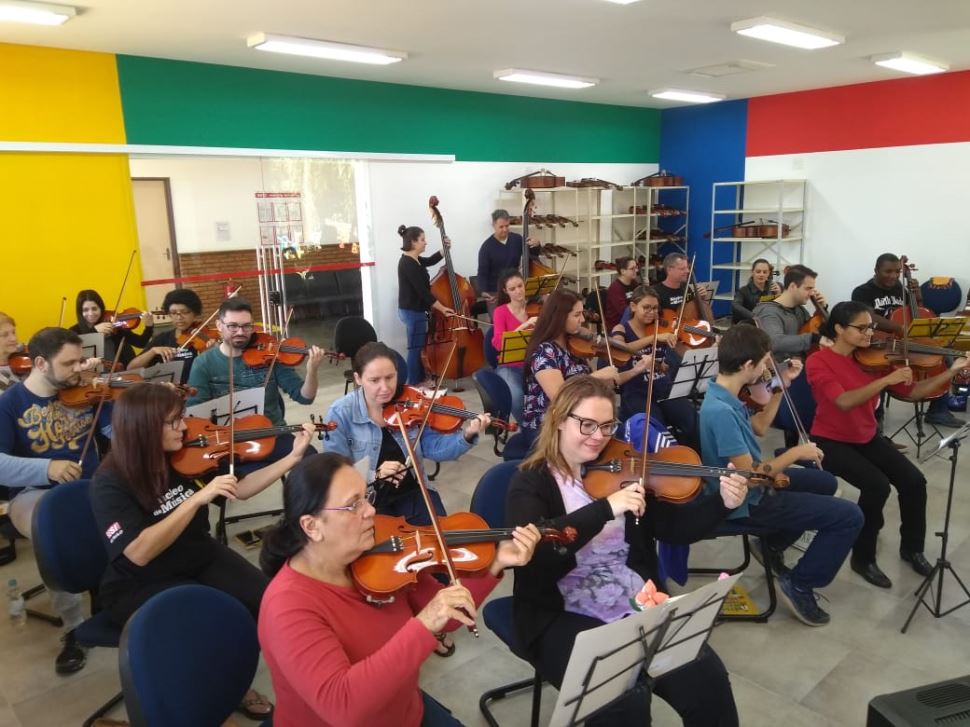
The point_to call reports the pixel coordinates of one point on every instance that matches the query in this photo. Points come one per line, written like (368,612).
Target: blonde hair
(572,393)
(4,318)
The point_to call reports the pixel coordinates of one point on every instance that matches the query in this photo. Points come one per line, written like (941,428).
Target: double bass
(528,265)
(454,292)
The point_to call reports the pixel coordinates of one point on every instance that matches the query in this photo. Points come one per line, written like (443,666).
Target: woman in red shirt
(335,658)
(620,291)
(845,430)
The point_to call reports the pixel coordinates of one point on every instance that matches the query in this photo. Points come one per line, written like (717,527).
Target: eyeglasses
(653,308)
(863,328)
(180,313)
(588,427)
(239,326)
(369,497)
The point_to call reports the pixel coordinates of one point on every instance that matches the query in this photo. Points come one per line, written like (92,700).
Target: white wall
(468,192)
(909,200)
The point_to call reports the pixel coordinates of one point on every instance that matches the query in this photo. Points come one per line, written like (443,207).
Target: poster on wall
(280,220)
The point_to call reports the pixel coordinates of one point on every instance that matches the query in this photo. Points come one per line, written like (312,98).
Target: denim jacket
(357,437)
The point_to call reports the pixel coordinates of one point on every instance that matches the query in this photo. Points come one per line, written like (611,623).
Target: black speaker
(944,703)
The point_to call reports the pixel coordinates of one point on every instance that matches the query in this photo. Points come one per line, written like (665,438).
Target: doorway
(156,236)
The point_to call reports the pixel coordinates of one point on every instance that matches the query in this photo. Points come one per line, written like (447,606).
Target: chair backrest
(491,355)
(67,542)
(351,333)
(801,396)
(495,394)
(488,500)
(187,657)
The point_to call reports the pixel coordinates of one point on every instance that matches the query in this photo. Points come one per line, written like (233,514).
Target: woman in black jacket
(760,289)
(556,596)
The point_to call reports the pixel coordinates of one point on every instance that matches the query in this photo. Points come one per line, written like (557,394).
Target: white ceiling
(459,43)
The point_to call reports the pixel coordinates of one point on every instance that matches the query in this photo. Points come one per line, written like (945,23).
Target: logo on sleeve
(113,532)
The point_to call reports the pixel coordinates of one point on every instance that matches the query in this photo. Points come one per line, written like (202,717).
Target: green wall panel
(197,104)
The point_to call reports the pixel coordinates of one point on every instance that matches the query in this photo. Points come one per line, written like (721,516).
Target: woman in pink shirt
(510,315)
(335,658)
(844,428)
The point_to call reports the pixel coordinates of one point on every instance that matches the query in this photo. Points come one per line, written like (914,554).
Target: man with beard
(210,373)
(40,445)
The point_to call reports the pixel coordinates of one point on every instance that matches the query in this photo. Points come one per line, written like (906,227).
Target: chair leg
(437,469)
(104,709)
(40,615)
(534,683)
(760,616)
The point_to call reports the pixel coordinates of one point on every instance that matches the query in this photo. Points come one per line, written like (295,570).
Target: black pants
(228,572)
(874,468)
(700,692)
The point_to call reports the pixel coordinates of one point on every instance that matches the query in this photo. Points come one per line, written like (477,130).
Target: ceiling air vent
(731,68)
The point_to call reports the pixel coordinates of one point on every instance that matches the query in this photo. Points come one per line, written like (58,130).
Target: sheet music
(247,401)
(92,345)
(697,368)
(170,372)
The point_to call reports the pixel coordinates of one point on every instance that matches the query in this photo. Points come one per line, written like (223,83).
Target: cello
(454,292)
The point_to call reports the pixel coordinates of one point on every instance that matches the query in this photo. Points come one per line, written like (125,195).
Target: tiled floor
(783,673)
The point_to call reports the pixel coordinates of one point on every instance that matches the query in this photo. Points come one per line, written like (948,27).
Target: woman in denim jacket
(377,449)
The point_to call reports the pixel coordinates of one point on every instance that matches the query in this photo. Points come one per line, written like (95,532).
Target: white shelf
(761,211)
(791,238)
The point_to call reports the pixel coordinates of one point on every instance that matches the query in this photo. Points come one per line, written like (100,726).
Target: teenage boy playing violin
(40,445)
(185,308)
(728,436)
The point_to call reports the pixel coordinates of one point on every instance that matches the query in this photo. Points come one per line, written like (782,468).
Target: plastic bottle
(18,611)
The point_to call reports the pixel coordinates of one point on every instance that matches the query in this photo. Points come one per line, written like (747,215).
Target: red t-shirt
(337,660)
(830,375)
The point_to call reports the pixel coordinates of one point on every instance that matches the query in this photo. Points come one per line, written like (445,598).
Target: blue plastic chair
(491,355)
(496,400)
(187,657)
(71,557)
(488,501)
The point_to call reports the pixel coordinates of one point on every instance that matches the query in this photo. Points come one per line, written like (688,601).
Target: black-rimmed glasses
(863,328)
(588,427)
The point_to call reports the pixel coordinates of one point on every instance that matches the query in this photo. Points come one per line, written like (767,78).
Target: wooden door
(156,236)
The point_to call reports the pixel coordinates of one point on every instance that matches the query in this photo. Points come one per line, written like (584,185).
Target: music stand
(946,329)
(607,662)
(540,285)
(168,372)
(514,345)
(942,564)
(697,368)
(218,411)
(92,345)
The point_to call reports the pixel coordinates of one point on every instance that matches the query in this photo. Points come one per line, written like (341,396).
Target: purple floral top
(549,355)
(601,585)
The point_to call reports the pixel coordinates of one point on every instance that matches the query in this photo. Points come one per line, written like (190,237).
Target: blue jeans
(807,505)
(436,714)
(416,325)
(512,375)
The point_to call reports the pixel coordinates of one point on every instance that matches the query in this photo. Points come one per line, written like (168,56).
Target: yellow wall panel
(48,94)
(68,224)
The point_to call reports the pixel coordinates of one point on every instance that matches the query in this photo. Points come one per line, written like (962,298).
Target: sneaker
(803,603)
(776,560)
(73,656)
(943,418)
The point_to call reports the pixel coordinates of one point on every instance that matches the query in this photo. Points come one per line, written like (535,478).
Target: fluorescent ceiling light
(676,94)
(539,78)
(21,11)
(622,2)
(909,63)
(781,31)
(323,49)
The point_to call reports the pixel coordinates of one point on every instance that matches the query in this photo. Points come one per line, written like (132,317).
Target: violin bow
(207,321)
(644,467)
(799,425)
(703,307)
(97,411)
(276,354)
(410,461)
(232,414)
(60,318)
(599,303)
(124,283)
(683,303)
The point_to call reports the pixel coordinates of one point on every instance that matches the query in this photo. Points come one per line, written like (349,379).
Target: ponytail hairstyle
(304,493)
(841,315)
(504,278)
(410,236)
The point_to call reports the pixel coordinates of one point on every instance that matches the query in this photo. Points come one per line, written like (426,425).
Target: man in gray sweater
(784,316)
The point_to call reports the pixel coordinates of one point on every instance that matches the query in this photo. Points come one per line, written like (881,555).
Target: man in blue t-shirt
(728,436)
(41,441)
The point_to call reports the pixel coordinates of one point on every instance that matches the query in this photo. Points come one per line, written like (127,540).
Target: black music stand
(696,370)
(609,661)
(942,564)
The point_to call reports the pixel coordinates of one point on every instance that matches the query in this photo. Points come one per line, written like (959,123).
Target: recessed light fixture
(21,11)
(323,49)
(676,94)
(623,2)
(909,63)
(540,78)
(781,31)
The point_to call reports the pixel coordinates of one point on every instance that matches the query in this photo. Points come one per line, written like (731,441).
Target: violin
(96,388)
(264,348)
(446,415)
(586,344)
(402,551)
(692,333)
(757,395)
(659,179)
(200,339)
(205,445)
(674,474)
(20,363)
(543,179)
(126,320)
(887,352)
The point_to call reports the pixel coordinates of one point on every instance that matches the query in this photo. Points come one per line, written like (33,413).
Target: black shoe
(776,560)
(871,572)
(72,657)
(943,418)
(919,562)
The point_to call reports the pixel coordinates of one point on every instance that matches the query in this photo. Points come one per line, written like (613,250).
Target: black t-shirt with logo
(121,518)
(882,300)
(671,297)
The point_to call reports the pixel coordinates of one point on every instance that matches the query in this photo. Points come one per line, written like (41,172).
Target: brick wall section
(226,261)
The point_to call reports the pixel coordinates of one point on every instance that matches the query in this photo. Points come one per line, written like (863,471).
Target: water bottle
(18,611)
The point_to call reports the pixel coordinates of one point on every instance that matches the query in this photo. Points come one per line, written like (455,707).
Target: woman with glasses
(89,307)
(844,428)
(335,658)
(638,332)
(556,596)
(548,362)
(155,521)
(510,315)
(185,308)
(620,290)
